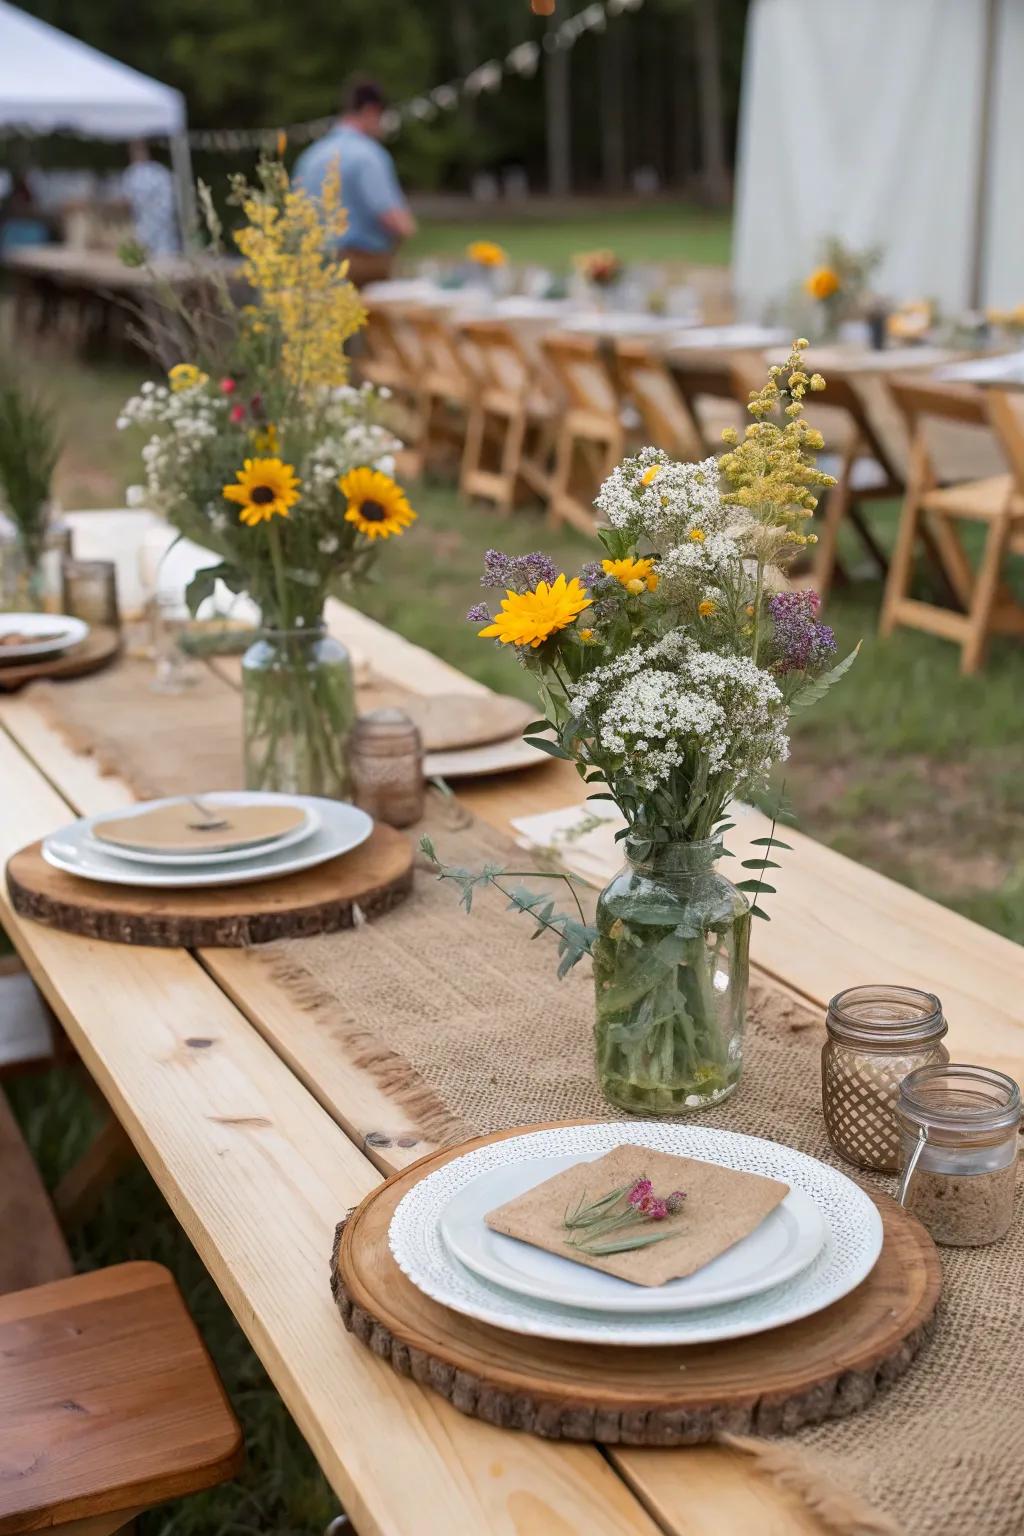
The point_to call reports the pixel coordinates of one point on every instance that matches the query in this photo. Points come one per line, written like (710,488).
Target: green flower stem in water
(670,974)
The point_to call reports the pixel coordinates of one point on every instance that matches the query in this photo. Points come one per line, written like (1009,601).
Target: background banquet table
(261,1135)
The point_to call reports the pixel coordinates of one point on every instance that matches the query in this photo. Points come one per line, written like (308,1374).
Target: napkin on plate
(176,828)
(721,1207)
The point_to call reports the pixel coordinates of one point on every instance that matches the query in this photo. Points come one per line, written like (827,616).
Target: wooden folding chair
(706,383)
(646,380)
(863,471)
(511,419)
(932,512)
(383,361)
(444,384)
(591,438)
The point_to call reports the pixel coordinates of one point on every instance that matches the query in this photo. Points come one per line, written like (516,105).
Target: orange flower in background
(822,283)
(486,253)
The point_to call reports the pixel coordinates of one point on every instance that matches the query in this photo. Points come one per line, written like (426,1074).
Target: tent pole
(181,162)
(983,168)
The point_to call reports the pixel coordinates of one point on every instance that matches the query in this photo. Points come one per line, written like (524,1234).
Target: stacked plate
(233,837)
(820,1243)
(36,636)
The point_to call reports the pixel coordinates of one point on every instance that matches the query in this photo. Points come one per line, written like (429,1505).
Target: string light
(521,60)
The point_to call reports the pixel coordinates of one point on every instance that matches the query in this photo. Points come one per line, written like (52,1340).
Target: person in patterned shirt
(149,187)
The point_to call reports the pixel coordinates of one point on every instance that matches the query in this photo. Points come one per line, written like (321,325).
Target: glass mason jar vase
(299,707)
(670,977)
(876,1035)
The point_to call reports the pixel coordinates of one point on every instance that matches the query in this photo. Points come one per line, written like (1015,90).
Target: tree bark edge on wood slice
(375,877)
(665,1397)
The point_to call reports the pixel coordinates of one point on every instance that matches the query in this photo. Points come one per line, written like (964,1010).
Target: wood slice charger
(825,1366)
(97,650)
(376,876)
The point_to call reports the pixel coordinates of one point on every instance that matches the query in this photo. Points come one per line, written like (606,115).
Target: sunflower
(376,503)
(266,488)
(530,618)
(185,376)
(486,253)
(630,571)
(822,283)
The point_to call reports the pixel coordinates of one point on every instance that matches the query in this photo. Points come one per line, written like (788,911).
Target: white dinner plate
(54,631)
(853,1238)
(506,756)
(228,797)
(785,1243)
(342,828)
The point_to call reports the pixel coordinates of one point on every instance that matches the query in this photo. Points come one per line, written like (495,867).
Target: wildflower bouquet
(600,268)
(838,288)
(667,671)
(261,450)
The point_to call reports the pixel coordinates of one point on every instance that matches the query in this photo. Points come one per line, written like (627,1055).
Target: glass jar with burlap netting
(876,1036)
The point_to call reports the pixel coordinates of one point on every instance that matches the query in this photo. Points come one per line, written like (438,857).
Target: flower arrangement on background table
(29,449)
(667,672)
(261,450)
(486,260)
(600,270)
(839,288)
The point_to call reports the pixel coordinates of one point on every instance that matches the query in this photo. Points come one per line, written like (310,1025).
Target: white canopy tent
(891,125)
(52,83)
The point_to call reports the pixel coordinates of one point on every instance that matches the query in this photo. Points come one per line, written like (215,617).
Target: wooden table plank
(258,1175)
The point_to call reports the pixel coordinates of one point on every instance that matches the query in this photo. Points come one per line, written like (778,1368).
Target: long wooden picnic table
(261,1135)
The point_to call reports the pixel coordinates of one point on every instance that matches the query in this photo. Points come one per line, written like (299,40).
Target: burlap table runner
(464,1022)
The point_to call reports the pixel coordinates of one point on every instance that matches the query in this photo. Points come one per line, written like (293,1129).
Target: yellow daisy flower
(650,475)
(376,503)
(822,283)
(707,608)
(696,536)
(530,618)
(630,571)
(186,376)
(486,253)
(266,488)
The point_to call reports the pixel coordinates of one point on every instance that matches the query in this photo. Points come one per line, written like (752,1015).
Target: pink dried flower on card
(641,1190)
(655,1209)
(674,1201)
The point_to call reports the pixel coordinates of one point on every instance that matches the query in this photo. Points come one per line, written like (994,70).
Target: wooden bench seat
(109,1403)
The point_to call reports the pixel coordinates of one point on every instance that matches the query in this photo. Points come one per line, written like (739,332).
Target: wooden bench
(109,1403)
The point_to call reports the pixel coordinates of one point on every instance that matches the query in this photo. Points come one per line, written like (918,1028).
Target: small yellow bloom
(266,440)
(696,536)
(266,488)
(650,475)
(186,376)
(376,503)
(749,610)
(817,382)
(628,572)
(530,618)
(586,635)
(822,283)
(486,253)
(707,608)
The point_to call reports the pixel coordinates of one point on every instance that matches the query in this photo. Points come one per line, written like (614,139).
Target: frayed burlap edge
(394,1075)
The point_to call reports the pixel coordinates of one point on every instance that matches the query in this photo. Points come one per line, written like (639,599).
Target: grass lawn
(905,766)
(649,232)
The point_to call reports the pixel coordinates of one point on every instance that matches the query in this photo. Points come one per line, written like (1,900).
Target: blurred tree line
(656,92)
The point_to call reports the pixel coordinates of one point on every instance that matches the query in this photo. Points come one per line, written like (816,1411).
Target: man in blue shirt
(378,216)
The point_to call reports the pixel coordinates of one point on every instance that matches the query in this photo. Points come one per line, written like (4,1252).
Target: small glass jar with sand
(958,1127)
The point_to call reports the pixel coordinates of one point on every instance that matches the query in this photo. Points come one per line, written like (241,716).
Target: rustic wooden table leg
(79,1191)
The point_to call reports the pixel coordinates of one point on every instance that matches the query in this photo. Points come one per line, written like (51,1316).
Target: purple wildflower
(517,573)
(642,1190)
(479,614)
(802,642)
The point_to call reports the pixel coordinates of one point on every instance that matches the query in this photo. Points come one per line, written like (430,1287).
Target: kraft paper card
(176,829)
(721,1207)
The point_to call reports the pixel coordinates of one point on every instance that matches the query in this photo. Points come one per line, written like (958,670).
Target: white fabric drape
(50,82)
(863,119)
